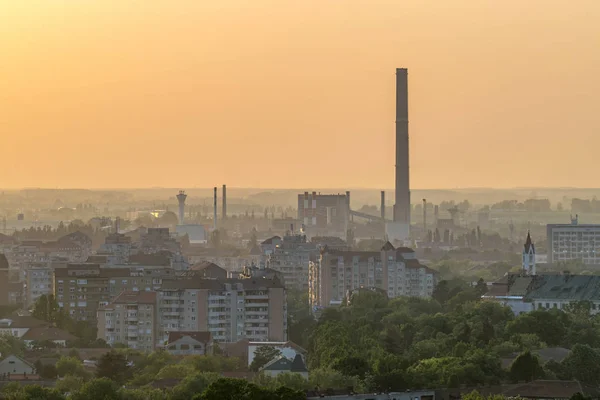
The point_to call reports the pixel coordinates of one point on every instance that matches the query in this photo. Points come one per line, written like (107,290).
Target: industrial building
(324,214)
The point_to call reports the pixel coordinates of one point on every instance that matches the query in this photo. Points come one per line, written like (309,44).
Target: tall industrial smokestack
(215,209)
(181,199)
(402,206)
(383,205)
(224,200)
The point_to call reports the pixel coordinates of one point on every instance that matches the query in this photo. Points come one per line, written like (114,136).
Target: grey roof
(298,364)
(566,287)
(280,363)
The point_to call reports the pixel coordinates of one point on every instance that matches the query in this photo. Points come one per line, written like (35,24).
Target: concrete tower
(399,229)
(402,206)
(181,199)
(224,203)
(215,209)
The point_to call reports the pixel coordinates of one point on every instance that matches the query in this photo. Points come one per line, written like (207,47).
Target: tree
(98,389)
(234,389)
(263,355)
(353,366)
(169,218)
(253,242)
(113,365)
(583,364)
(193,384)
(71,366)
(526,367)
(46,308)
(69,384)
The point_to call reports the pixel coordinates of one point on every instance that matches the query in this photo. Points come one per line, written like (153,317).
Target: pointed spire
(528,243)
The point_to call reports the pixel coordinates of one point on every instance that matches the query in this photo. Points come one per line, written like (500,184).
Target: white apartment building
(566,242)
(396,271)
(130,319)
(230,309)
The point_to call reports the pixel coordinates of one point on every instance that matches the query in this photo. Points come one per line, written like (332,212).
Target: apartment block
(130,319)
(81,289)
(230,309)
(39,280)
(393,270)
(291,257)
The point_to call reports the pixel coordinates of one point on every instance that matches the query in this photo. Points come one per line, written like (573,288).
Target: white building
(567,242)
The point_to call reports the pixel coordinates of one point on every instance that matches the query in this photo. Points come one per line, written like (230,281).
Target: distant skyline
(271,94)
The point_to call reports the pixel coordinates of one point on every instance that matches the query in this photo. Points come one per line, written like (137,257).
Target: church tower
(529,256)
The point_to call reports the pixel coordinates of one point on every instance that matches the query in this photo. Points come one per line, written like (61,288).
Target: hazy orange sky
(281,93)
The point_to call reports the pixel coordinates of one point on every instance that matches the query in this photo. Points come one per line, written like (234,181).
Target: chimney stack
(215,209)
(383,205)
(224,206)
(402,206)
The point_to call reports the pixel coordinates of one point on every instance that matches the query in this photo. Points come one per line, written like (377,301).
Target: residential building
(208,270)
(34,330)
(190,343)
(117,247)
(291,257)
(130,319)
(230,309)
(282,365)
(394,270)
(80,289)
(288,349)
(16,365)
(39,280)
(574,241)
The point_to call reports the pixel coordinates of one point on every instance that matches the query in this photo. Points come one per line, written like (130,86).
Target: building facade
(568,242)
(291,257)
(230,309)
(130,319)
(394,270)
(322,214)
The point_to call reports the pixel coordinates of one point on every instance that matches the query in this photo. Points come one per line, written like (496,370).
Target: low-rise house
(190,343)
(47,334)
(16,365)
(281,365)
(559,390)
(288,349)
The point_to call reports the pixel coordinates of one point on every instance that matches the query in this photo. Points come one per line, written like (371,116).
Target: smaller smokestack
(215,209)
(383,205)
(224,206)
(424,215)
(348,199)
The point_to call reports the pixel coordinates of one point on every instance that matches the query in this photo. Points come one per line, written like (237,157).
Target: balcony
(257,297)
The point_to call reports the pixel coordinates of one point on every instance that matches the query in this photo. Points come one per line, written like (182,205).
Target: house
(281,365)
(18,326)
(190,343)
(288,349)
(542,389)
(16,365)
(48,333)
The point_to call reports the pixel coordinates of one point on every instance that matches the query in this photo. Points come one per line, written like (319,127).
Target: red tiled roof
(200,336)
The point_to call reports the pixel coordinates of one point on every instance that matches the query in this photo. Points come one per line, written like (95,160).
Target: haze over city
(297,94)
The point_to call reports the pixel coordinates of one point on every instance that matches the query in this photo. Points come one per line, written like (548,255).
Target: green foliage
(71,366)
(263,355)
(98,389)
(526,367)
(238,389)
(11,345)
(113,365)
(583,364)
(69,384)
